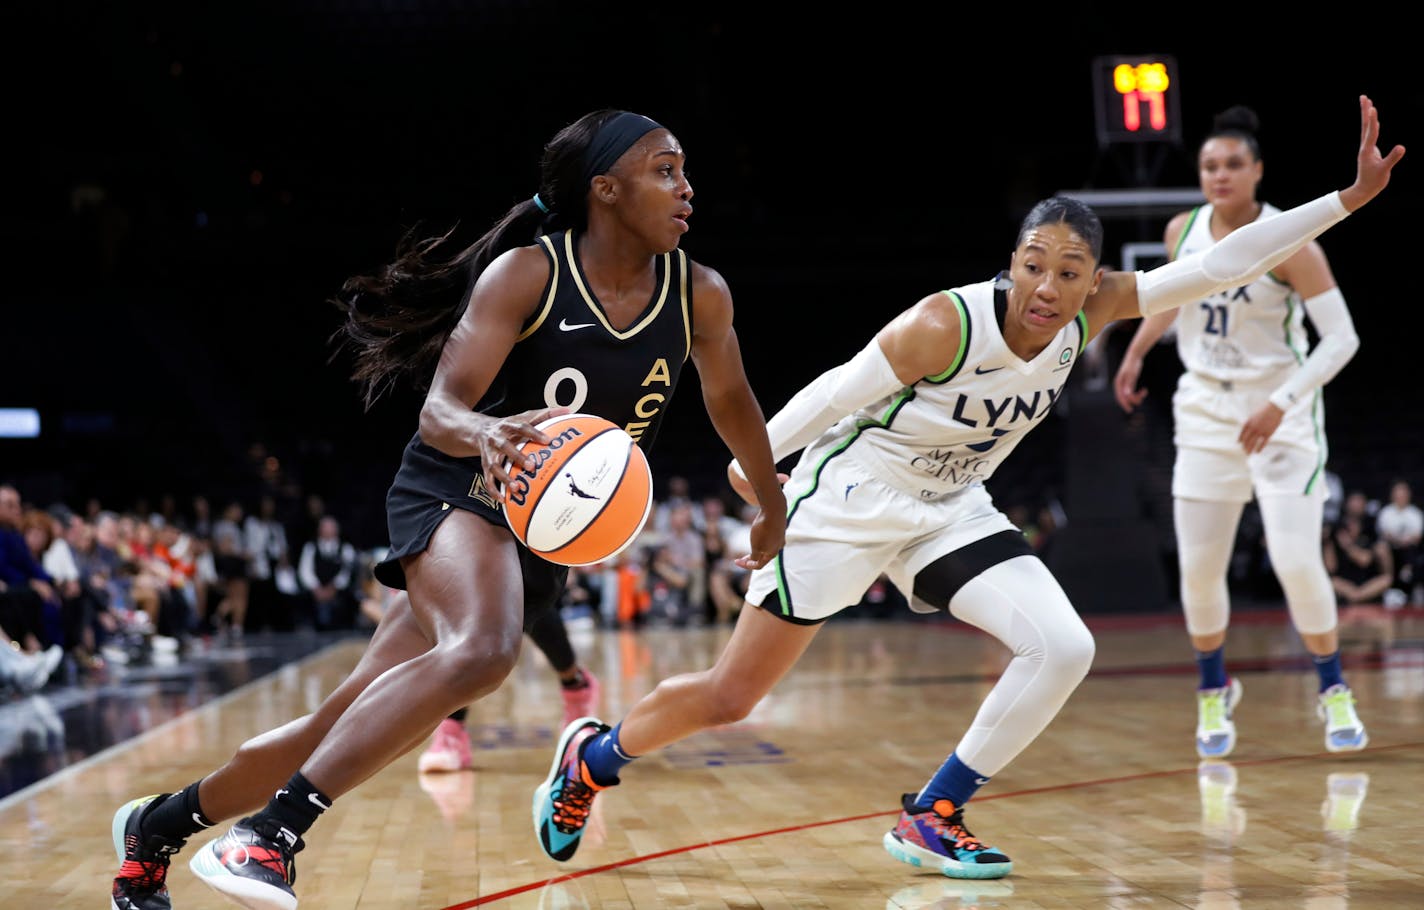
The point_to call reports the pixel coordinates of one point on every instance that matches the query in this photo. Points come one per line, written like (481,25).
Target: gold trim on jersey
(686,316)
(553,289)
(597,310)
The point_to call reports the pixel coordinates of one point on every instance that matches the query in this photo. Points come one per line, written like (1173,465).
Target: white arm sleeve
(863,380)
(1240,257)
(1338,343)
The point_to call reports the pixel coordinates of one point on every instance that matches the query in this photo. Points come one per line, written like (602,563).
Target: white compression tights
(1206,534)
(1020,603)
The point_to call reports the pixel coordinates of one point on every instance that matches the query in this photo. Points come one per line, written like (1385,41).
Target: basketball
(587,496)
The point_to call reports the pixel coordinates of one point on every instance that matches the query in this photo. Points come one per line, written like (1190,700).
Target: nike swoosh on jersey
(566,326)
(980,371)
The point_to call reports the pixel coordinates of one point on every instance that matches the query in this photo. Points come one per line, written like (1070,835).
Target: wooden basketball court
(1108,809)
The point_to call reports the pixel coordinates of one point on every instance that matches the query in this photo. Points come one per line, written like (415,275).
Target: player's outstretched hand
(1372,168)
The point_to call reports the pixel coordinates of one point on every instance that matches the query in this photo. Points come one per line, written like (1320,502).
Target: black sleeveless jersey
(569,354)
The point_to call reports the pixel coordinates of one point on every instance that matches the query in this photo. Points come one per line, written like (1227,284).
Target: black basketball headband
(614,137)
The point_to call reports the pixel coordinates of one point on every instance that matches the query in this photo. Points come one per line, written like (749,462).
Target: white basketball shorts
(1211,465)
(846,528)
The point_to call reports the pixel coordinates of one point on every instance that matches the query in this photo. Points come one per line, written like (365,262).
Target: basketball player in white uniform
(898,443)
(1248,419)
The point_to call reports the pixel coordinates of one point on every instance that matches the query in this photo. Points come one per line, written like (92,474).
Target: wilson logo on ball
(587,495)
(519,487)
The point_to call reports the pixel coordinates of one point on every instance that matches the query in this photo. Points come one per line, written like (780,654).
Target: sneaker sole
(241,891)
(121,820)
(1351,747)
(542,791)
(922,859)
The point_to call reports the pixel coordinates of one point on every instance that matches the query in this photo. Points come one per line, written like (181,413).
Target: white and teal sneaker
(1216,732)
(1343,730)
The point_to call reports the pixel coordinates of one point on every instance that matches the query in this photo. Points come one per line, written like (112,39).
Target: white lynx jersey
(950,431)
(1244,333)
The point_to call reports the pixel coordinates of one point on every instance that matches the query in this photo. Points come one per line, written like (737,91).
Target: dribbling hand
(499,440)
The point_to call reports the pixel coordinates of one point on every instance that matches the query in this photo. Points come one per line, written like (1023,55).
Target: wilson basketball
(587,496)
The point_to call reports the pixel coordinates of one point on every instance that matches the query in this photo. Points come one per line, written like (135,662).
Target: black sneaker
(143,862)
(252,864)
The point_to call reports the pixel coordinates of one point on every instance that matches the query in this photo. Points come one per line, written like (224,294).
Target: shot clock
(1135,98)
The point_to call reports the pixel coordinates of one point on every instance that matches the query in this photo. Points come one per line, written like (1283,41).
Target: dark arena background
(190,182)
(186,186)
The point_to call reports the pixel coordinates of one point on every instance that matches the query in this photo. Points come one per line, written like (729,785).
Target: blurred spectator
(164,610)
(1360,566)
(328,571)
(267,554)
(726,581)
(1400,524)
(679,569)
(624,595)
(679,493)
(98,574)
(1360,506)
(230,565)
(174,549)
(29,604)
(583,592)
(52,551)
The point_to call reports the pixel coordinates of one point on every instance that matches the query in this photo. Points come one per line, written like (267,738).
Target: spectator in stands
(98,568)
(726,538)
(1400,524)
(267,552)
(328,569)
(1360,566)
(679,493)
(202,524)
(230,564)
(679,568)
(29,604)
(51,550)
(175,549)
(154,588)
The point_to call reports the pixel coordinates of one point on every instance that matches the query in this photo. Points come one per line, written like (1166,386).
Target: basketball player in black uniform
(597,315)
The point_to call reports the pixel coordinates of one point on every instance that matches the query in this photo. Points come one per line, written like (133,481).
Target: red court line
(1031,791)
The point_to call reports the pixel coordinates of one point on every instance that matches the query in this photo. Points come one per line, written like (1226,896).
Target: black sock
(460,715)
(176,816)
(296,806)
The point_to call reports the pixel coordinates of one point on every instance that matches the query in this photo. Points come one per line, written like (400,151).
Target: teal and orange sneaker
(565,798)
(936,838)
